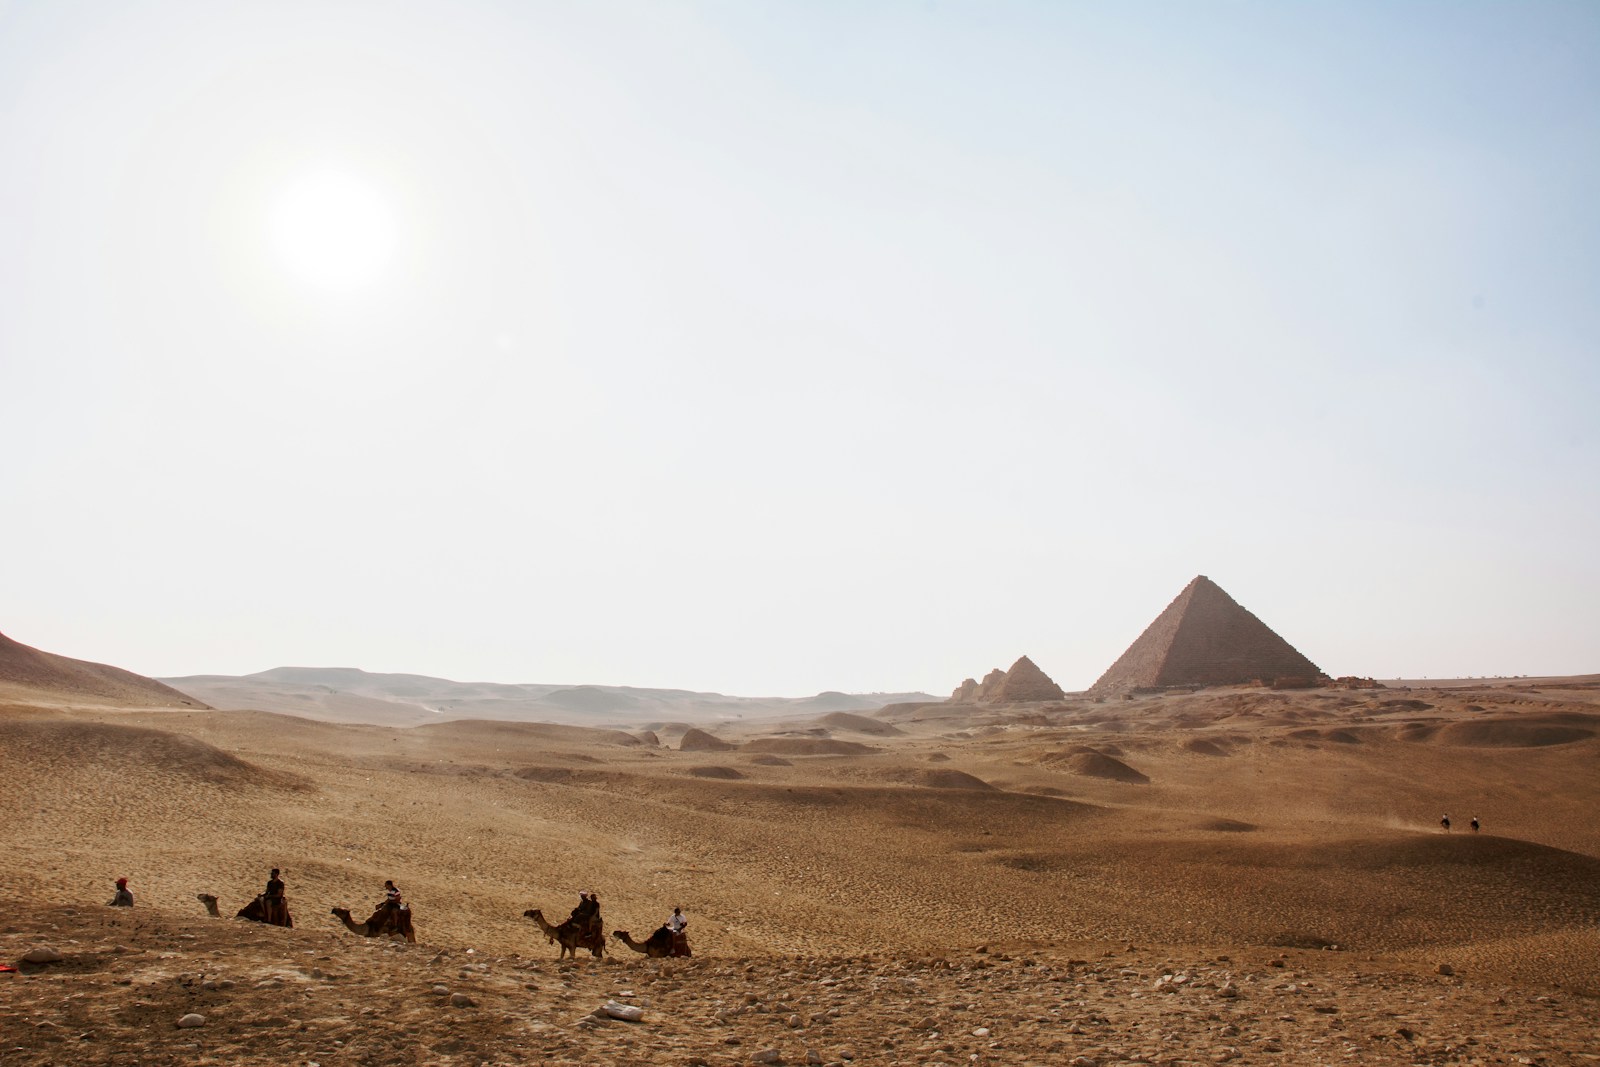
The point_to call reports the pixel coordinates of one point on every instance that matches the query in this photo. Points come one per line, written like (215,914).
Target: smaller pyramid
(1205,638)
(1023,682)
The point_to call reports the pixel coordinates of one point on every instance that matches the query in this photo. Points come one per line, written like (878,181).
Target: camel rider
(391,896)
(677,924)
(273,902)
(123,898)
(587,916)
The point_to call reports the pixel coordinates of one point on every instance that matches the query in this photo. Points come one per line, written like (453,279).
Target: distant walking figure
(1474,824)
(123,898)
(1445,822)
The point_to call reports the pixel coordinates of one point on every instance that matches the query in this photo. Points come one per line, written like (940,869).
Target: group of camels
(395,923)
(384,922)
(572,935)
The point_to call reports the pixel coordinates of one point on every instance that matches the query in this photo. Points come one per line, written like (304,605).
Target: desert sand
(1227,875)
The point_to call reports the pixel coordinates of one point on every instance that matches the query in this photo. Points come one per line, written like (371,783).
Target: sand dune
(807,746)
(962,831)
(31,677)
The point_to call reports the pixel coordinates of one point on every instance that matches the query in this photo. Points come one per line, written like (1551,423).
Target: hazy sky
(777,347)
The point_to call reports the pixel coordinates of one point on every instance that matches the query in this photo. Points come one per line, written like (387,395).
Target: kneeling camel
(658,945)
(385,922)
(255,911)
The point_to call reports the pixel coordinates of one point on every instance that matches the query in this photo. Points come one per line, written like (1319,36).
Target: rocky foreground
(151,988)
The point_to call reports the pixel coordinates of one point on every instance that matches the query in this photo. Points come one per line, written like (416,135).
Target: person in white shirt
(676,925)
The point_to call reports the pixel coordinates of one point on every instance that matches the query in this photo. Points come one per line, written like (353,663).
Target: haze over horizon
(774,349)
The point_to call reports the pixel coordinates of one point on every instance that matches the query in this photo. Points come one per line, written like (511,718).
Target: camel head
(533,913)
(210,902)
(343,913)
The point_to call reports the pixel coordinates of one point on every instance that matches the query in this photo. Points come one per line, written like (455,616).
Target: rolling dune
(1241,840)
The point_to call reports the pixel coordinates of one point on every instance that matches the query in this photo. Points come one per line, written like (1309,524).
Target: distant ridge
(27,674)
(1205,638)
(348,694)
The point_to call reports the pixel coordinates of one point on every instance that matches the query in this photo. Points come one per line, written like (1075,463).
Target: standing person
(274,903)
(1445,822)
(123,898)
(1475,824)
(677,924)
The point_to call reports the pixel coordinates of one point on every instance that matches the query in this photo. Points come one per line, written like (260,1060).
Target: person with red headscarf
(123,899)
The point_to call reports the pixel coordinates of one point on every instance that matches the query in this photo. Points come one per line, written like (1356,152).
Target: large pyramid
(1023,682)
(1205,638)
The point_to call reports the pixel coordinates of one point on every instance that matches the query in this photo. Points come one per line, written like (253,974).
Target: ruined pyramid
(1205,638)
(1024,681)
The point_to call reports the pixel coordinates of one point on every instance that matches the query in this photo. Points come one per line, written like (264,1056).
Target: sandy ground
(1030,871)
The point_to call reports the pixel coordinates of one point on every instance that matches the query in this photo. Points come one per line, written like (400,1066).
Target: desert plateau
(1224,874)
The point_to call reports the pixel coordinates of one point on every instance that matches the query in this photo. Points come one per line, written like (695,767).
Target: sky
(770,348)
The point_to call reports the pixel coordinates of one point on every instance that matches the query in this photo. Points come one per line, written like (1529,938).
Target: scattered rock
(42,954)
(192,1019)
(1446,970)
(461,1000)
(626,1012)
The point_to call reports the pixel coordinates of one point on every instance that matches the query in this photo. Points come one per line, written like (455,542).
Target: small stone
(1446,970)
(766,1055)
(42,954)
(982,1031)
(192,1019)
(461,1000)
(441,990)
(794,1022)
(813,1057)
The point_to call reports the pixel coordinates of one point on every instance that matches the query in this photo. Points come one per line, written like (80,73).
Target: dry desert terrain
(1228,875)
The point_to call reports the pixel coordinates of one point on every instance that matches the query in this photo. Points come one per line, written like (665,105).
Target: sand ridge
(1259,830)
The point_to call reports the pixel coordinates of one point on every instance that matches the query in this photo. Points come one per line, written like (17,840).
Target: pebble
(192,1019)
(42,954)
(461,1000)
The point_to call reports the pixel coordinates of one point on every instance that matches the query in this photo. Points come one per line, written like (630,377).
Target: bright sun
(333,230)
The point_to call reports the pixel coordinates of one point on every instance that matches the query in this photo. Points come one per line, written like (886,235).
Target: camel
(255,911)
(657,946)
(571,936)
(385,922)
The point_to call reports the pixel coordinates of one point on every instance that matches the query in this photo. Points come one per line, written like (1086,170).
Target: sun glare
(333,230)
